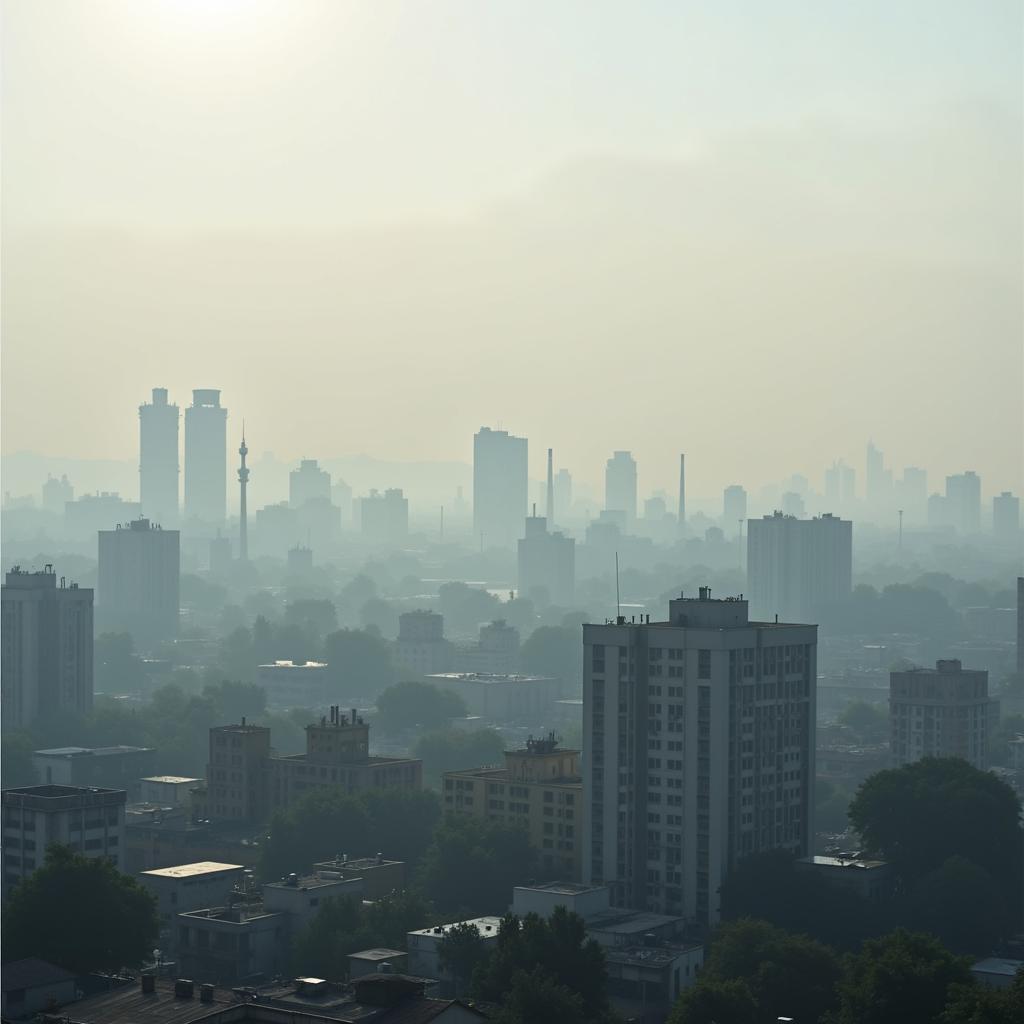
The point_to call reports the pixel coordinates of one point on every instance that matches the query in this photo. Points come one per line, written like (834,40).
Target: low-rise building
(33,986)
(380,877)
(168,790)
(117,767)
(376,961)
(496,651)
(502,699)
(645,981)
(424,945)
(295,684)
(421,648)
(539,787)
(90,821)
(300,897)
(869,879)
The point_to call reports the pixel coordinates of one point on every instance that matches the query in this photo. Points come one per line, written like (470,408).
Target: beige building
(539,787)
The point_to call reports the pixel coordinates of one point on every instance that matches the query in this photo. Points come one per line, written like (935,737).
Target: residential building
(496,651)
(424,945)
(940,712)
(296,684)
(620,486)
(206,458)
(168,790)
(500,487)
(421,648)
(376,961)
(185,887)
(341,496)
(877,482)
(117,767)
(698,742)
(963,502)
(797,567)
(57,493)
(138,582)
(246,783)
(380,877)
(33,986)
(734,508)
(840,485)
(307,483)
(1006,519)
(547,563)
(540,788)
(868,879)
(158,459)
(90,513)
(275,528)
(90,821)
(912,494)
(562,488)
(501,698)
(384,518)
(46,643)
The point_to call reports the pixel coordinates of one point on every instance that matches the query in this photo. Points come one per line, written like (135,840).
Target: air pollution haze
(381,225)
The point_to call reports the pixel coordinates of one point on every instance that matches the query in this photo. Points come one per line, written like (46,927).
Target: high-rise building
(307,483)
(797,567)
(206,458)
(341,497)
(912,494)
(138,582)
(698,747)
(57,493)
(939,712)
(500,487)
(963,502)
(1006,518)
(563,493)
(877,481)
(46,640)
(421,648)
(620,485)
(547,561)
(734,507)
(840,485)
(158,459)
(384,518)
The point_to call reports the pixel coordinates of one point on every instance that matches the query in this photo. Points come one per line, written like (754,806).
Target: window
(703,664)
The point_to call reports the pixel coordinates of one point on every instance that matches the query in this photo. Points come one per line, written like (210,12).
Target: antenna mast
(618,602)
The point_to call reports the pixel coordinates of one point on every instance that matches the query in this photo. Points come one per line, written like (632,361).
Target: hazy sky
(757,232)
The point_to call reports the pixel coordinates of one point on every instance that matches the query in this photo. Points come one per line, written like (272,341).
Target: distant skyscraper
(912,494)
(46,640)
(620,485)
(384,518)
(877,481)
(307,483)
(1006,518)
(158,459)
(547,561)
(563,493)
(939,712)
(793,504)
(138,582)
(734,507)
(796,567)
(698,742)
(500,487)
(243,503)
(341,496)
(206,458)
(57,493)
(963,502)
(840,480)
(655,508)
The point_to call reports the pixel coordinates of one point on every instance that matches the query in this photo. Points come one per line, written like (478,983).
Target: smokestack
(682,491)
(551,491)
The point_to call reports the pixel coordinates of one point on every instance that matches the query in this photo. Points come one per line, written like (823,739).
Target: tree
(473,863)
(460,952)
(535,997)
(316,617)
(555,651)
(232,701)
(360,663)
(465,607)
(80,912)
(380,616)
(16,764)
(421,705)
(870,724)
(558,947)
(978,1004)
(831,804)
(716,1001)
(902,978)
(920,815)
(118,668)
(451,750)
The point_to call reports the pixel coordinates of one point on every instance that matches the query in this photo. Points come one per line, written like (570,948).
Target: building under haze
(547,561)
(963,502)
(421,648)
(384,518)
(620,485)
(797,567)
(1006,518)
(307,483)
(206,458)
(47,643)
(500,487)
(138,582)
(877,481)
(734,507)
(158,459)
(940,712)
(91,513)
(840,485)
(698,747)
(57,493)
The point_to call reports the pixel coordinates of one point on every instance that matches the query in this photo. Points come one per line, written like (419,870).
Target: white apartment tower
(698,742)
(158,459)
(206,458)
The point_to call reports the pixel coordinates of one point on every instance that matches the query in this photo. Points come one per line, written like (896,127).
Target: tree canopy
(417,705)
(360,662)
(450,750)
(81,913)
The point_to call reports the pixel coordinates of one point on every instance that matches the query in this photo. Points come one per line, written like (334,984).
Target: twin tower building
(206,466)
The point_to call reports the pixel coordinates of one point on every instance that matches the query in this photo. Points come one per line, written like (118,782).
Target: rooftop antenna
(618,602)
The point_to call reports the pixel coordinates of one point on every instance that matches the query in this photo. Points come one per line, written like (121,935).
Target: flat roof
(653,956)
(309,882)
(173,780)
(998,965)
(843,862)
(94,751)
(378,954)
(202,867)
(294,664)
(486,926)
(629,921)
(489,677)
(563,888)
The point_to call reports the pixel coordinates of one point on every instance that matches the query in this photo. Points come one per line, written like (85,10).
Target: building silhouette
(500,487)
(620,486)
(940,712)
(840,485)
(797,567)
(547,561)
(877,481)
(206,458)
(243,502)
(138,582)
(734,507)
(698,751)
(384,518)
(46,640)
(158,459)
(421,648)
(1006,518)
(90,513)
(681,511)
(963,502)
(307,483)
(57,493)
